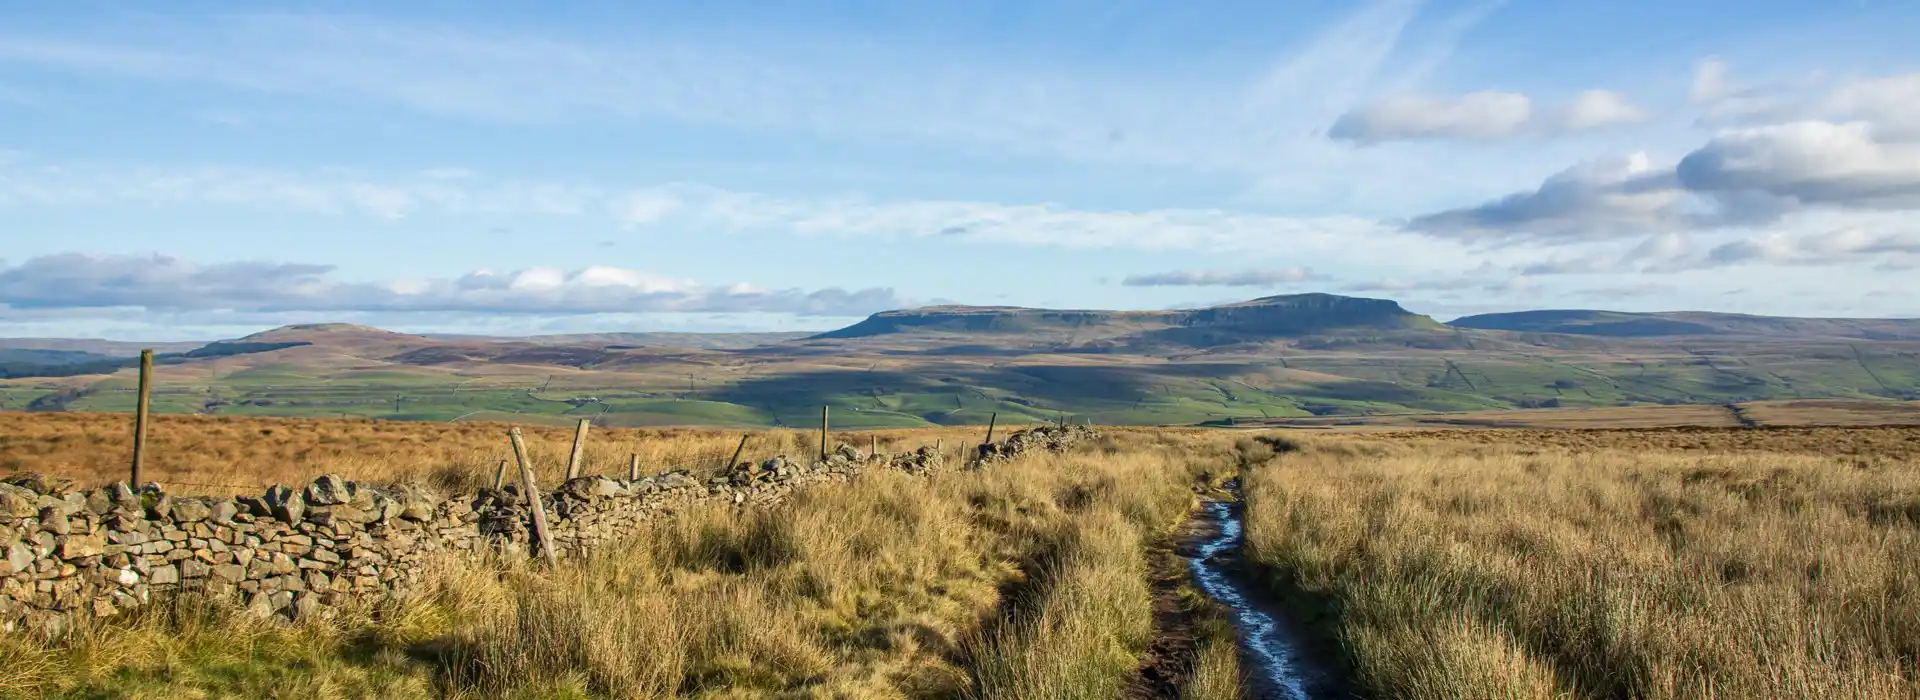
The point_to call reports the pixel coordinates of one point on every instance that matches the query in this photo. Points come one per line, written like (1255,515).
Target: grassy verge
(893,586)
(1496,571)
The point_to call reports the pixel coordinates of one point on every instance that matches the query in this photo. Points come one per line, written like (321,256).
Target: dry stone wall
(296,551)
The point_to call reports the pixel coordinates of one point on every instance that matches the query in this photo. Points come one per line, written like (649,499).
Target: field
(1418,561)
(1114,375)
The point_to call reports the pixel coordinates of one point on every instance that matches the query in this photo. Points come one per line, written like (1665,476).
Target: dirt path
(1168,663)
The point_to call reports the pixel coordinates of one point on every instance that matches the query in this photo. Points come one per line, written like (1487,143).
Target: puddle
(1276,656)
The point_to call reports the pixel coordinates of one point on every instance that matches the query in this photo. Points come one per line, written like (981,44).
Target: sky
(200,170)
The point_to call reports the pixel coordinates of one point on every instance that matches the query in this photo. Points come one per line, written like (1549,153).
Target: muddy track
(1280,658)
(1167,666)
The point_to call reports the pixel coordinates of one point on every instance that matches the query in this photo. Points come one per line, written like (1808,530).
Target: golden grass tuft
(1480,571)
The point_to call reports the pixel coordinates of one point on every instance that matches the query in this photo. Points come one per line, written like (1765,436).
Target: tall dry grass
(1026,580)
(1509,572)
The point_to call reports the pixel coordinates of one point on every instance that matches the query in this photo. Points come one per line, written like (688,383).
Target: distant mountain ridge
(1285,315)
(1624,324)
(1265,359)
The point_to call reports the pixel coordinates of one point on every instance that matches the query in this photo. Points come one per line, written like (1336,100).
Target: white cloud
(693,208)
(1891,251)
(1890,102)
(1596,109)
(1867,243)
(1222,278)
(1475,115)
(1759,173)
(1809,163)
(75,281)
(1709,82)
(1484,115)
(1601,198)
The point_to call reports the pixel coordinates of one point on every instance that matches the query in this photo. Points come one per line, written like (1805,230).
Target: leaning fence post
(500,476)
(540,531)
(991,420)
(737,450)
(633,467)
(140,418)
(579,444)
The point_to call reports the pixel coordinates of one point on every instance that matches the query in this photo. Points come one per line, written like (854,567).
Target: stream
(1278,662)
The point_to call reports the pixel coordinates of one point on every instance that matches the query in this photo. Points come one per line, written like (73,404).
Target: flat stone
(54,521)
(164,575)
(194,569)
(223,511)
(328,490)
(190,510)
(80,546)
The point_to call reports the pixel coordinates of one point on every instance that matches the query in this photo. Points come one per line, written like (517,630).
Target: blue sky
(209,169)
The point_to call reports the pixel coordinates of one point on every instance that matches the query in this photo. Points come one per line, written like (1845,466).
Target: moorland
(1298,360)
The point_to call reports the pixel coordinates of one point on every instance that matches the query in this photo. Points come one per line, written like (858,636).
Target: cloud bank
(161,283)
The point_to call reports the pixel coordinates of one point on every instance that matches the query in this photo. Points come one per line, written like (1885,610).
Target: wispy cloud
(1224,278)
(1481,116)
(692,207)
(834,85)
(160,283)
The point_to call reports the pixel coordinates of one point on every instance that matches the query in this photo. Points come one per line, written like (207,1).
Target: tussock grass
(1485,571)
(891,586)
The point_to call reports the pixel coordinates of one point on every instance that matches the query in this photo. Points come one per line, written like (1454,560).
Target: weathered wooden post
(140,418)
(873,446)
(737,449)
(823,433)
(579,445)
(540,531)
(500,476)
(991,420)
(633,467)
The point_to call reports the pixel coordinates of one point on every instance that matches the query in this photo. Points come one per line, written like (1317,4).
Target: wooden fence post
(873,446)
(737,450)
(500,476)
(633,467)
(540,531)
(991,420)
(579,445)
(140,418)
(823,433)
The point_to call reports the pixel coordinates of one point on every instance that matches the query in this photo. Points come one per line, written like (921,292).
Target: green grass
(944,392)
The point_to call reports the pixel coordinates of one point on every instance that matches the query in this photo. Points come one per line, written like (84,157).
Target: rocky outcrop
(297,552)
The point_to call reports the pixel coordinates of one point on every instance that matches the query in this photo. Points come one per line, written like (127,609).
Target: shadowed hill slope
(1621,324)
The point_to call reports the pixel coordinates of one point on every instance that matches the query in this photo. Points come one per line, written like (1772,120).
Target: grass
(1024,580)
(931,383)
(1615,570)
(225,455)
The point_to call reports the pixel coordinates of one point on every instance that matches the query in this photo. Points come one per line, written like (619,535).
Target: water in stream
(1282,669)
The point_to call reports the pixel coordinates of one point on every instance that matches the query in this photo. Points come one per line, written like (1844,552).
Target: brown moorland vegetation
(225,455)
(1663,564)
(1028,579)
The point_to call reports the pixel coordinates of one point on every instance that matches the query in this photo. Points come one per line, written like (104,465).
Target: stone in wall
(297,552)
